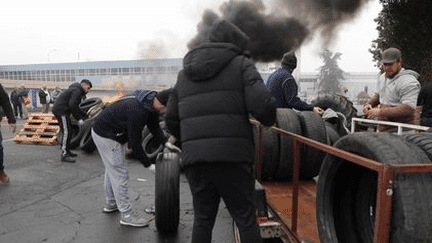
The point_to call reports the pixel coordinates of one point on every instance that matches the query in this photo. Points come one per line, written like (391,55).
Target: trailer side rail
(385,178)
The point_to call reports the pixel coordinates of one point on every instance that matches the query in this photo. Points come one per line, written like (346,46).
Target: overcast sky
(56,31)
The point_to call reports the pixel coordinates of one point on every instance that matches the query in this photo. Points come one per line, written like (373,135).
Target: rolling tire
(287,120)
(87,144)
(337,103)
(313,127)
(167,191)
(346,192)
(86,104)
(76,138)
(151,147)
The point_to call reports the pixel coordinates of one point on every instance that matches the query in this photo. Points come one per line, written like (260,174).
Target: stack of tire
(347,192)
(278,151)
(81,132)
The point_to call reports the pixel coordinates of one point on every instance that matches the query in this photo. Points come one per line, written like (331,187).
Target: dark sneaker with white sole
(109,208)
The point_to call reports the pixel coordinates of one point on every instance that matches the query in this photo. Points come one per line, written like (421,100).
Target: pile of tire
(278,150)
(81,132)
(346,192)
(337,103)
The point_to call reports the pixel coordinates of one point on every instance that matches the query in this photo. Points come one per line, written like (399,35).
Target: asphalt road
(49,201)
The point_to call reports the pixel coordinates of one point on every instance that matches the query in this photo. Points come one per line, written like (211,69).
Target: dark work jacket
(6,106)
(68,102)
(124,120)
(284,90)
(425,100)
(210,105)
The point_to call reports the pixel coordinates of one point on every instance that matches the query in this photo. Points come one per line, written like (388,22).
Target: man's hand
(372,113)
(367,108)
(318,110)
(172,147)
(152,168)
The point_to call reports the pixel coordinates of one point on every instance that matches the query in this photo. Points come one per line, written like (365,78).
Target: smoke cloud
(286,27)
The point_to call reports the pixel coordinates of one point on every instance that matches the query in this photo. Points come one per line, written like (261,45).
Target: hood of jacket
(404,72)
(205,61)
(145,97)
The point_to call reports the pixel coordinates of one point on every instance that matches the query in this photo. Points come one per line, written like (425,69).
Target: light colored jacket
(401,89)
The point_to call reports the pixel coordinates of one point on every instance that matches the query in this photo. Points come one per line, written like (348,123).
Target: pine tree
(330,75)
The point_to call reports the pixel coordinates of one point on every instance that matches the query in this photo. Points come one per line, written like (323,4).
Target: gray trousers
(116,174)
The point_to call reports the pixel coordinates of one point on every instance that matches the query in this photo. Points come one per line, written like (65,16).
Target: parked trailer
(292,206)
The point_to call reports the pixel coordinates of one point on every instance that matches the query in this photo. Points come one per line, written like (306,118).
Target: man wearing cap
(120,123)
(284,89)
(398,90)
(66,104)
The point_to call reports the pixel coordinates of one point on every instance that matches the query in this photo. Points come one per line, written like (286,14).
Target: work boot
(4,179)
(67,158)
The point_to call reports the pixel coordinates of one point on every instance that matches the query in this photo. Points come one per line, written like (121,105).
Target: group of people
(20,100)
(208,111)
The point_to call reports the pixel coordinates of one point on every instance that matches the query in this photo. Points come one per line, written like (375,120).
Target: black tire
(167,191)
(270,143)
(86,104)
(313,127)
(76,138)
(346,192)
(151,146)
(332,134)
(337,103)
(87,144)
(422,140)
(289,121)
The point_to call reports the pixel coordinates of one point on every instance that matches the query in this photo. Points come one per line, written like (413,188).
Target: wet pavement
(49,201)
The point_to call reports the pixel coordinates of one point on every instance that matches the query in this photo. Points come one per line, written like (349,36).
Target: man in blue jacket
(284,89)
(120,123)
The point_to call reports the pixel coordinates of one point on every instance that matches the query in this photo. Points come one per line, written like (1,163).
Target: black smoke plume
(273,34)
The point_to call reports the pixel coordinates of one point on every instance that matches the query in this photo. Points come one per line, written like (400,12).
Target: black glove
(146,163)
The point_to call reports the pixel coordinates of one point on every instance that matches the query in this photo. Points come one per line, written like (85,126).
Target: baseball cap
(391,55)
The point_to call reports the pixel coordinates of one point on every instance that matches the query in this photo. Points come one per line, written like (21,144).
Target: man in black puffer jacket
(209,112)
(66,104)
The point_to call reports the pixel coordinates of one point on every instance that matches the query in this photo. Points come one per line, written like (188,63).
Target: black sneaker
(72,154)
(67,158)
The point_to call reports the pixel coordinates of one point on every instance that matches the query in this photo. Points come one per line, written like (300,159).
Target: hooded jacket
(68,102)
(397,96)
(124,120)
(215,93)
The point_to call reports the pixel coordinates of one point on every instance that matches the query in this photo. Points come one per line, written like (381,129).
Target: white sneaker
(134,219)
(152,168)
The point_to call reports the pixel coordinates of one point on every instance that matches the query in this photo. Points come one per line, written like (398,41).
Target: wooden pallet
(40,128)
